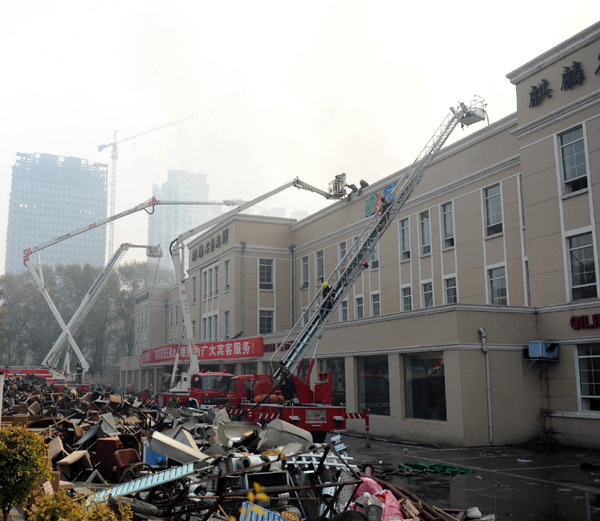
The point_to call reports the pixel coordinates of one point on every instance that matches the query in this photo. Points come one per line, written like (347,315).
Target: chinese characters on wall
(572,76)
(211,244)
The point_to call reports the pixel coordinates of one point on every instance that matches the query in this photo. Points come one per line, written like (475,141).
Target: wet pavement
(526,482)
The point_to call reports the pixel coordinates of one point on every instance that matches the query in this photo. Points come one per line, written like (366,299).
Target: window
(374,264)
(210,282)
(305,316)
(374,384)
(404,239)
(425,233)
(572,154)
(448,225)
(170,316)
(266,321)
(450,290)
(194,329)
(583,267)
(226,275)
(497,285)
(588,357)
(425,386)
(375,305)
(493,210)
(427,296)
(304,273)
(226,332)
(204,285)
(359,308)
(215,327)
(344,311)
(337,368)
(209,333)
(204,330)
(265,273)
(193,290)
(216,280)
(406,299)
(176,315)
(320,267)
(342,250)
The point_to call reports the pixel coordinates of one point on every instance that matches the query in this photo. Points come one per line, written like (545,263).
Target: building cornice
(555,54)
(558,115)
(463,144)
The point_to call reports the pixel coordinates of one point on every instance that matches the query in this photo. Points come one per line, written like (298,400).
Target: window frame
(403,291)
(584,399)
(573,185)
(304,272)
(447,237)
(405,234)
(490,285)
(320,266)
(375,304)
(374,262)
(193,290)
(446,288)
(429,286)
(227,275)
(359,304)
(495,228)
(572,287)
(344,315)
(266,274)
(270,311)
(226,332)
(425,233)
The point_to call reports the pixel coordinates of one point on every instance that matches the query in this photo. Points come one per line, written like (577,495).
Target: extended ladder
(65,339)
(310,325)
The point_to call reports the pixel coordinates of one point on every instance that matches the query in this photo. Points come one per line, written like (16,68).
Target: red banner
(226,350)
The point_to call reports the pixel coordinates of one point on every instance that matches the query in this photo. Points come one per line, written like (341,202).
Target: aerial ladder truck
(53,372)
(180,385)
(309,328)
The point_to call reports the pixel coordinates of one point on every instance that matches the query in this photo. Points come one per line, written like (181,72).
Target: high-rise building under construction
(50,197)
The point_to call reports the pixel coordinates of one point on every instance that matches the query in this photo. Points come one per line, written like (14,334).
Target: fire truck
(259,398)
(56,366)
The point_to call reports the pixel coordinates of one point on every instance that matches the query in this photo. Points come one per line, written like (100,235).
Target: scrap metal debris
(198,465)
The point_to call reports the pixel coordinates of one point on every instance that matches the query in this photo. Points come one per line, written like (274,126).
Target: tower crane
(113,173)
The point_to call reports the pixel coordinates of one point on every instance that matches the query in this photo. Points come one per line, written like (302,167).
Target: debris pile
(192,464)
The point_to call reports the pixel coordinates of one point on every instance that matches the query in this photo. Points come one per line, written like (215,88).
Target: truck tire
(137,506)
(319,436)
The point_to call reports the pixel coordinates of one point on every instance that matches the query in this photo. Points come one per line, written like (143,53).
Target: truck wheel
(193,403)
(319,436)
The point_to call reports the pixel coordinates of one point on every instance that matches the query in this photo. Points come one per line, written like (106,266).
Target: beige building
(478,320)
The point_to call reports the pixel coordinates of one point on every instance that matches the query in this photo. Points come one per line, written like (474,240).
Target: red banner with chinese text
(226,350)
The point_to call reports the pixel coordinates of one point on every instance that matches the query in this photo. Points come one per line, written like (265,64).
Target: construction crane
(113,172)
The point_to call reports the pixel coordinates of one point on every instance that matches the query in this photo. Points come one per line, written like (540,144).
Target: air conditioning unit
(540,350)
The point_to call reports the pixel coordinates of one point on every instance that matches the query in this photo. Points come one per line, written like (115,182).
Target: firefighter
(79,373)
(288,388)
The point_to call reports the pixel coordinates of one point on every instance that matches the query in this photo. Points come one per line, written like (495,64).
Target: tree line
(28,329)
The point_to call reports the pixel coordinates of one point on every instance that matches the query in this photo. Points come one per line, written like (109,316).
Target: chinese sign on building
(211,244)
(226,350)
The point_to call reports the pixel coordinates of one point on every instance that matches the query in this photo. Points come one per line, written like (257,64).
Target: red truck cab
(210,388)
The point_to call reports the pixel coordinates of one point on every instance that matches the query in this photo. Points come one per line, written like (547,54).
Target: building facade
(168,221)
(477,321)
(50,196)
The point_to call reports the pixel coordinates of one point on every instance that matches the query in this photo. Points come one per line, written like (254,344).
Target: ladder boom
(350,268)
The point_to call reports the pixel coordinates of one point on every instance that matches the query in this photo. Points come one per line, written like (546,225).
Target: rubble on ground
(192,464)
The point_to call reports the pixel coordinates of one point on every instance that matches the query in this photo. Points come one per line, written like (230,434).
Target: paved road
(532,482)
